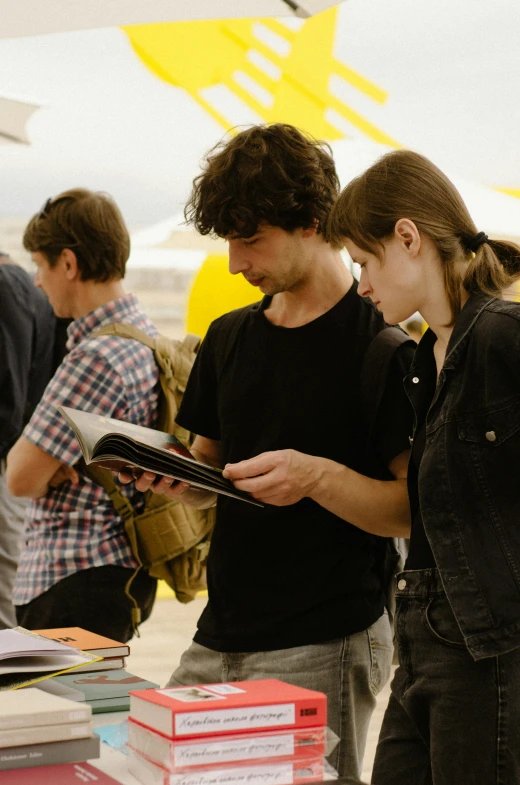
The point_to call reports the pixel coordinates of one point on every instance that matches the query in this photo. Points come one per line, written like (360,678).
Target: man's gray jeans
(350,671)
(12,511)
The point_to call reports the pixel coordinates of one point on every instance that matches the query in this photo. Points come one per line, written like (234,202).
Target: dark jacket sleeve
(27,326)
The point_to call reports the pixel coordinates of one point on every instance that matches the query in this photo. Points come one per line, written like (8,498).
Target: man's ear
(70,264)
(408,234)
(311,230)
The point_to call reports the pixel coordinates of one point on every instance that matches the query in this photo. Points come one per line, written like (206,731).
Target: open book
(125,447)
(26,657)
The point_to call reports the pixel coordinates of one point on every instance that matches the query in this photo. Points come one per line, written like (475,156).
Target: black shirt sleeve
(198,412)
(395,417)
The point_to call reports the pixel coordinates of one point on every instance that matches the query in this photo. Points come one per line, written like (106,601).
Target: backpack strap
(239,318)
(127,331)
(123,507)
(374,376)
(184,359)
(375,369)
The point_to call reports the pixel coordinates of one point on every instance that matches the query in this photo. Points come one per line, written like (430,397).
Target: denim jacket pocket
(492,426)
(442,623)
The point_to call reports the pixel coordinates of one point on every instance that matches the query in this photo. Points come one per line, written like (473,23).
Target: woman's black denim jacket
(469,478)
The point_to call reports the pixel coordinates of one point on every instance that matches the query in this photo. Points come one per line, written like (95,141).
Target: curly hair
(267,174)
(90,224)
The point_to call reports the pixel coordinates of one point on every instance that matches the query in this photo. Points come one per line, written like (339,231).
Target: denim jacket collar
(463,326)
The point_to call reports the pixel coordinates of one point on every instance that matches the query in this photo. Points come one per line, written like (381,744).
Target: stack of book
(242,733)
(27,658)
(103,691)
(112,652)
(39,729)
(104,684)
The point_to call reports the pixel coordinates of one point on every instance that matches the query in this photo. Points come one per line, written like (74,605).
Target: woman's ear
(408,234)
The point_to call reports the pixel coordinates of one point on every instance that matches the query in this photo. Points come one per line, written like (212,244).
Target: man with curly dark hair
(295,586)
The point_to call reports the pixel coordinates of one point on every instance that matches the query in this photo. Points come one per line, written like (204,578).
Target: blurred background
(127,98)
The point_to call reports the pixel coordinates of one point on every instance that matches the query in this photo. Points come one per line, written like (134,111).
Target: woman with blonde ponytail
(454,712)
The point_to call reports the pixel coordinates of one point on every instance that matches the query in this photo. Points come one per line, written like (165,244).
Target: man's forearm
(377,506)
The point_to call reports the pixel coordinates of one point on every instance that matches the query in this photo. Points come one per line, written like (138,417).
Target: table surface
(112,761)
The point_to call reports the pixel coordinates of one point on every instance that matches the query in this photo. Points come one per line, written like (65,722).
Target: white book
(30,708)
(17,737)
(26,657)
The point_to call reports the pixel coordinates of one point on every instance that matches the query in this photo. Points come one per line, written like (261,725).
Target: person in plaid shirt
(76,558)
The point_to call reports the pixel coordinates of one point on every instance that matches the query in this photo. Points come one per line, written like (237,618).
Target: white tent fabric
(25,17)
(14,115)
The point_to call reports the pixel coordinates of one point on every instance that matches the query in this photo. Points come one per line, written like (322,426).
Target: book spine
(110,664)
(243,748)
(38,735)
(271,774)
(49,754)
(296,714)
(60,717)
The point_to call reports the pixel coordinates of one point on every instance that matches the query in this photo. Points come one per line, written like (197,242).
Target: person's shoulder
(498,323)
(224,322)
(369,320)
(17,287)
(497,310)
(15,280)
(223,328)
(495,335)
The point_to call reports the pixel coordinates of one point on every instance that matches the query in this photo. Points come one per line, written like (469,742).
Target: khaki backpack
(168,539)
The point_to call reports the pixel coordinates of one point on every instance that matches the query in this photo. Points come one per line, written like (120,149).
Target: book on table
(106,691)
(125,447)
(17,737)
(37,728)
(63,774)
(32,708)
(271,773)
(48,754)
(26,658)
(106,664)
(53,687)
(245,748)
(237,707)
(85,640)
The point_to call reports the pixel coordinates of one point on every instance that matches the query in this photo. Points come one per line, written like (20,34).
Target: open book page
(26,657)
(90,428)
(121,446)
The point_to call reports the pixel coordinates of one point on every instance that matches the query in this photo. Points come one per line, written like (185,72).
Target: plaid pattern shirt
(74,527)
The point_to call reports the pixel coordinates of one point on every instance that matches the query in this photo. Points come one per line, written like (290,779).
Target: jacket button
(491,436)
(401,584)
(415,380)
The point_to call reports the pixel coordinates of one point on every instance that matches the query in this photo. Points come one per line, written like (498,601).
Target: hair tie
(476,241)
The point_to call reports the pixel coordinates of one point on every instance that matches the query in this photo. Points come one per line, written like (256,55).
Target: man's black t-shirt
(289,576)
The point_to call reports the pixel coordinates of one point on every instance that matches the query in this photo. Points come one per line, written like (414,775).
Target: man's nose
(237,259)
